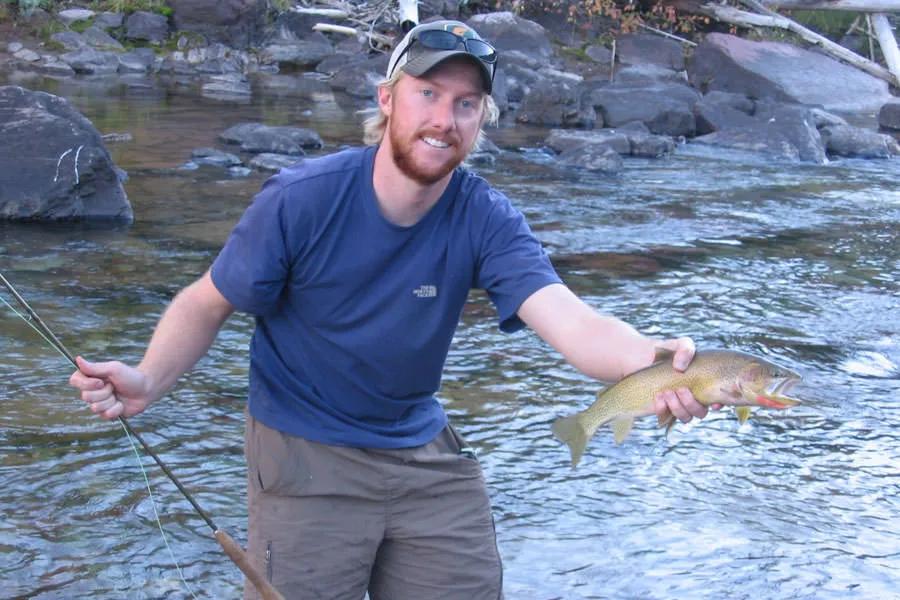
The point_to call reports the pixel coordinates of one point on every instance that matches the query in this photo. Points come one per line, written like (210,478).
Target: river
(800,263)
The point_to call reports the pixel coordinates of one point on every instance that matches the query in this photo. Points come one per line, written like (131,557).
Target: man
(357,266)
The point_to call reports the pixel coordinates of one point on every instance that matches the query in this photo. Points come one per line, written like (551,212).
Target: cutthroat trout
(714,377)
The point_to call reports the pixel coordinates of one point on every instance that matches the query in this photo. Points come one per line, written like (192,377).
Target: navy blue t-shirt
(355,315)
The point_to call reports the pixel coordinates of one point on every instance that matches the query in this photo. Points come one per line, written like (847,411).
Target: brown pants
(330,522)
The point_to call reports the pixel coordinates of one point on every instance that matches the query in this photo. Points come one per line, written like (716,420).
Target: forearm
(600,346)
(183,335)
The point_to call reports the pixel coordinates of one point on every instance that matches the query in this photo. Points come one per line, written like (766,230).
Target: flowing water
(800,263)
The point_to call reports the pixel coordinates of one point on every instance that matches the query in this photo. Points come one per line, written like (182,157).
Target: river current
(799,263)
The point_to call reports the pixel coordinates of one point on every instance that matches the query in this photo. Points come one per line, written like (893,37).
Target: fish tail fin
(573,432)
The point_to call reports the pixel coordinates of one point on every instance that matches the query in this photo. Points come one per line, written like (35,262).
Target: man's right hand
(111,389)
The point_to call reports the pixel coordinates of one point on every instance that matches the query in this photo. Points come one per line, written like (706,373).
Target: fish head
(763,383)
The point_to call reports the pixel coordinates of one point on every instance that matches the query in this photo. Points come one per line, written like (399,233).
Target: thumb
(101,370)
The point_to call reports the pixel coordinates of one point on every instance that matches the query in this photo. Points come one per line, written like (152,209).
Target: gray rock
(14,47)
(554,101)
(214,157)
(90,61)
(272,162)
(666,109)
(74,15)
(821,118)
(303,54)
(647,145)
(236,23)
(68,175)
(647,49)
(599,54)
(846,140)
(96,37)
(508,32)
(139,60)
(889,115)
(54,67)
(720,110)
(27,55)
(649,74)
(109,20)
(146,26)
(226,85)
(785,73)
(259,138)
(599,159)
(360,77)
(568,141)
(70,40)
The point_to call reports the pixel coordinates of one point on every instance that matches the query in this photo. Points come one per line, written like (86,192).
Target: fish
(726,377)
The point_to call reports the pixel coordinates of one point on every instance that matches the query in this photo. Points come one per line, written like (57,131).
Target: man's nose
(442,116)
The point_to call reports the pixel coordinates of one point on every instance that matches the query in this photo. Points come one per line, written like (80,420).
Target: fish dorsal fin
(743,413)
(621,428)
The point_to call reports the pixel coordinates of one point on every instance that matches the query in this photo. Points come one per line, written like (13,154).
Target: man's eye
(427,93)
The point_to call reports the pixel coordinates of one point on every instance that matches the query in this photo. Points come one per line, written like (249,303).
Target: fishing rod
(231,547)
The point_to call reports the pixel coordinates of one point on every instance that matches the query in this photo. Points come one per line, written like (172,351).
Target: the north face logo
(425,291)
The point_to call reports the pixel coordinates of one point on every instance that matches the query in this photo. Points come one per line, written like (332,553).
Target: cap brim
(420,65)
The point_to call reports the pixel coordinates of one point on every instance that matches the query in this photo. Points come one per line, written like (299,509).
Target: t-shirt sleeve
(513,265)
(252,268)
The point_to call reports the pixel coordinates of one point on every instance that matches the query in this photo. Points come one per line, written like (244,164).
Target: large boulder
(237,23)
(508,32)
(644,48)
(54,165)
(785,73)
(889,115)
(666,109)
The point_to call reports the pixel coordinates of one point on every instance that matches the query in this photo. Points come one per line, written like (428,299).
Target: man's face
(434,120)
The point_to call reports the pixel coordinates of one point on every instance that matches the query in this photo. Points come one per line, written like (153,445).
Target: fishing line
(30,322)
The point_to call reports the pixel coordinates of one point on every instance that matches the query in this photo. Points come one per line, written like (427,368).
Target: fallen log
(743,18)
(888,44)
(863,6)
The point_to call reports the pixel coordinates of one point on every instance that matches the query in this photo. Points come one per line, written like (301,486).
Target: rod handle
(240,558)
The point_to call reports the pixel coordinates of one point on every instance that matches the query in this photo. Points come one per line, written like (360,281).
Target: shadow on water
(800,263)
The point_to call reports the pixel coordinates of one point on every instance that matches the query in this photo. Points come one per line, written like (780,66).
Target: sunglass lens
(482,50)
(439,40)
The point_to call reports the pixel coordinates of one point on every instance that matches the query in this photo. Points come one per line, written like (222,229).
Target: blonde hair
(375,122)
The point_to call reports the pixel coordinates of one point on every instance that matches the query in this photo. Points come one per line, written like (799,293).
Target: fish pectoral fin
(667,420)
(743,413)
(621,428)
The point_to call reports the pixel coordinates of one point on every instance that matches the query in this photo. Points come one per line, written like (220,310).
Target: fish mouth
(775,395)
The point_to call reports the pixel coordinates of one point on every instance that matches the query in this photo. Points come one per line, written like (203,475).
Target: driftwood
(770,18)
(888,43)
(863,6)
(374,38)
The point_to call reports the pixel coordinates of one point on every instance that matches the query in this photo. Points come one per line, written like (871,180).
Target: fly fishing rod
(231,547)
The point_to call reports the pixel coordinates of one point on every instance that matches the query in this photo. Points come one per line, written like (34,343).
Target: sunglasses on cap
(442,40)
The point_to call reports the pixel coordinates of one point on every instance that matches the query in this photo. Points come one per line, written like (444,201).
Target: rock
(236,23)
(92,62)
(646,49)
(720,110)
(783,72)
(146,26)
(217,158)
(508,32)
(54,67)
(302,54)
(96,37)
(666,109)
(647,145)
(109,20)
(221,86)
(359,77)
(846,140)
(600,158)
(272,162)
(554,101)
(889,115)
(74,15)
(649,74)
(821,118)
(68,175)
(259,138)
(14,47)
(782,131)
(568,141)
(70,40)
(599,54)
(27,55)
(139,60)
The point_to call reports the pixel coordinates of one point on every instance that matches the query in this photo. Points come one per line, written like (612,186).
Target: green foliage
(26,7)
(130,6)
(832,24)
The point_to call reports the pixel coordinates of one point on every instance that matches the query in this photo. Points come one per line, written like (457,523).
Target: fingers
(681,403)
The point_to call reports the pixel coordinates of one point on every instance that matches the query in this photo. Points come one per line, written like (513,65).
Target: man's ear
(385,94)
